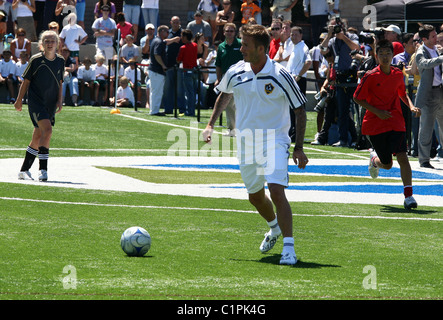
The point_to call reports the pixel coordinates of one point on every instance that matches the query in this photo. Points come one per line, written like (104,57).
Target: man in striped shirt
(264,92)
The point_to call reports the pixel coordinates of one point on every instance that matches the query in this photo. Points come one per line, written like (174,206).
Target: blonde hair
(100,57)
(48,34)
(53,24)
(124,80)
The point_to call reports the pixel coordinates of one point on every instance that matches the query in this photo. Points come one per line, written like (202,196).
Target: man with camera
(341,43)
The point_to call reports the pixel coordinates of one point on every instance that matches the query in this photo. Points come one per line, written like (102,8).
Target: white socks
(288,245)
(288,242)
(275,229)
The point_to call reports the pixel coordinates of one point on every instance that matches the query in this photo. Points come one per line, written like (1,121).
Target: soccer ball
(135,241)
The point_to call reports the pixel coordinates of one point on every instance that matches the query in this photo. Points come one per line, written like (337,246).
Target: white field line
(215,209)
(177,126)
(218,132)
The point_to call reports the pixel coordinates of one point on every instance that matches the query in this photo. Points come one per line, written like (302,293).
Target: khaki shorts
(209,15)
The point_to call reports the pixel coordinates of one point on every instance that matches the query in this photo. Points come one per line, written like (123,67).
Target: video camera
(368,37)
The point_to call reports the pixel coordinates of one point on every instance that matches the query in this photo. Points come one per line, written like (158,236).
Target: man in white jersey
(264,92)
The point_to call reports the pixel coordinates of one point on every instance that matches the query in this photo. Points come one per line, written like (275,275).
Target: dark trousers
(317,25)
(346,125)
(330,115)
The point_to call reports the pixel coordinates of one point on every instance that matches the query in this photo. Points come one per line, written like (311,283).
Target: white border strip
(215,209)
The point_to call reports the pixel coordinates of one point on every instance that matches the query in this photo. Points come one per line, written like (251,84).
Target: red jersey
(188,55)
(382,91)
(273,47)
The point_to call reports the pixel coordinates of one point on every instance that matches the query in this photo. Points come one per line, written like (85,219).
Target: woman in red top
(379,92)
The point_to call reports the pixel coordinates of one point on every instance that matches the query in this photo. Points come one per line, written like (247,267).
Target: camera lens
(337,29)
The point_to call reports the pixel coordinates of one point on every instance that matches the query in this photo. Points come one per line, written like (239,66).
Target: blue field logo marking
(337,170)
(341,170)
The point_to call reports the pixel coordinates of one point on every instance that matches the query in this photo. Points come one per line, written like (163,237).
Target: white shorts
(272,168)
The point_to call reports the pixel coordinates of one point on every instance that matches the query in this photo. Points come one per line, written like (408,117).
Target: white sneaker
(373,170)
(410,203)
(269,241)
(43,176)
(25,175)
(229,133)
(288,259)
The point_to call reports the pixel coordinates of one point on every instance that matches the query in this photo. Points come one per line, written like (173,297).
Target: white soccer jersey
(263,100)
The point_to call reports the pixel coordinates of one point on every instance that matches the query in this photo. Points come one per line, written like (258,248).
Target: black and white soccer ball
(135,241)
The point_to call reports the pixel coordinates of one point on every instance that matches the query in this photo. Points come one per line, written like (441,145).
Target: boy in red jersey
(379,92)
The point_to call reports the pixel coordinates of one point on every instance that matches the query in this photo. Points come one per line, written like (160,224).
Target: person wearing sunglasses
(20,44)
(276,27)
(104,30)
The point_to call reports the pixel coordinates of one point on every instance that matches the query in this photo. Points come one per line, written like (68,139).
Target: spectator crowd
(173,62)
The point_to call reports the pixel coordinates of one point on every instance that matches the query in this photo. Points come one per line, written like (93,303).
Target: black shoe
(158,114)
(427,165)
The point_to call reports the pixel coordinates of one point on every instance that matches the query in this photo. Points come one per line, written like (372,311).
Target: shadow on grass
(275,259)
(397,209)
(63,182)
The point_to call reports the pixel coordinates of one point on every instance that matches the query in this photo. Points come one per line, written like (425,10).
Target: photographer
(326,102)
(341,43)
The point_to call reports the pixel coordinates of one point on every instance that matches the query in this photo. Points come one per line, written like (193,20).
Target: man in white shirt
(286,45)
(72,36)
(429,92)
(298,65)
(264,92)
(300,60)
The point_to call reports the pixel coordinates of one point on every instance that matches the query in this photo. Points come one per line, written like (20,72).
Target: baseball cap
(149,26)
(393,28)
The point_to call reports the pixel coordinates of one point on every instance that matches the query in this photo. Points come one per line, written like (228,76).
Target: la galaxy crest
(269,88)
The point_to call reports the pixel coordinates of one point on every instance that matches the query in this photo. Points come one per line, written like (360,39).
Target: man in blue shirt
(405,56)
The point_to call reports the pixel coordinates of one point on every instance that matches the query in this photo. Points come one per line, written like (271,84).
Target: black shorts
(37,113)
(387,144)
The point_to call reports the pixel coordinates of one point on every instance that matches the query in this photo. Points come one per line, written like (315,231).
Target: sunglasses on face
(275,29)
